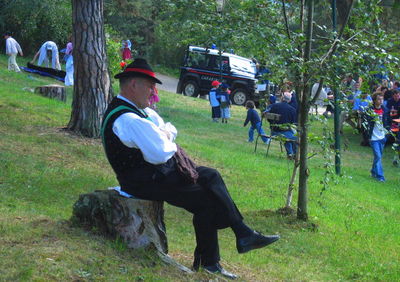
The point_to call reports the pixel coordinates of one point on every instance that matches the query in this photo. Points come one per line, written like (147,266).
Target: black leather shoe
(218,269)
(254,241)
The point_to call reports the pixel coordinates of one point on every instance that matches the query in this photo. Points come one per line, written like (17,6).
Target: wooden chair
(270,117)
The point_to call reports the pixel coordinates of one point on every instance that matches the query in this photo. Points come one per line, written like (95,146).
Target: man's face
(144,89)
(396,97)
(357,85)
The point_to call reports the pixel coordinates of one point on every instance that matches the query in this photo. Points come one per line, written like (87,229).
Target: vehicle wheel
(191,89)
(239,96)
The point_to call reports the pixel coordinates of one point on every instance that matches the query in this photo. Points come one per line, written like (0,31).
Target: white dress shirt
(155,138)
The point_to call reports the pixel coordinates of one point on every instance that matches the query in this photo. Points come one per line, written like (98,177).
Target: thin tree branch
(286,19)
(335,44)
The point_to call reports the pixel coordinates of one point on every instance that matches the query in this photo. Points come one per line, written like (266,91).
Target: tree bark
(139,223)
(92,86)
(53,91)
(302,212)
(343,6)
(292,180)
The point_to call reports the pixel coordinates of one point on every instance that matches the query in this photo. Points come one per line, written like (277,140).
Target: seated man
(149,165)
(393,105)
(288,117)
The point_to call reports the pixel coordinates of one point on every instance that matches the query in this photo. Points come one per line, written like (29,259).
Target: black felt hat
(139,67)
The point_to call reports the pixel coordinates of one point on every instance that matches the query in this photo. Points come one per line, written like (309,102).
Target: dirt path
(168,83)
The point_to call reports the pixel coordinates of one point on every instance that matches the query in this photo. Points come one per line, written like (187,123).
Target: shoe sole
(230,276)
(249,248)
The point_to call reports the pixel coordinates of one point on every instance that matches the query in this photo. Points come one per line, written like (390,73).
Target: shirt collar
(119,96)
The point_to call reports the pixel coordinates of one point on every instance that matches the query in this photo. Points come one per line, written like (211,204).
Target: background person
(154,99)
(214,102)
(69,67)
(255,123)
(12,49)
(378,125)
(48,50)
(225,103)
(149,164)
(282,127)
(126,50)
(393,104)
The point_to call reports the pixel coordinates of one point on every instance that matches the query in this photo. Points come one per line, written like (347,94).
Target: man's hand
(21,54)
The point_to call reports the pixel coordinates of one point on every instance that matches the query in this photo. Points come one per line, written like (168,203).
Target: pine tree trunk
(92,86)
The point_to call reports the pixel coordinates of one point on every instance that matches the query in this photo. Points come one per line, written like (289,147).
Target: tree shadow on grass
(284,219)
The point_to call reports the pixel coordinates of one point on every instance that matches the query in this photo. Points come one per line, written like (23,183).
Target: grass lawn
(353,232)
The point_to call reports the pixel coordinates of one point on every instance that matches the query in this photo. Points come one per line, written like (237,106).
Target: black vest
(128,163)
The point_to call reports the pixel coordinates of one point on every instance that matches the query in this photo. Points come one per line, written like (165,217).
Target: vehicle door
(214,68)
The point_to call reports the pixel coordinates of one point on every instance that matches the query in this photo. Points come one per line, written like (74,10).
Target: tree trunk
(139,223)
(292,180)
(302,202)
(53,91)
(92,86)
(343,7)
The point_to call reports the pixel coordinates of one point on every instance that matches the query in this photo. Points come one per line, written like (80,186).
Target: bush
(37,21)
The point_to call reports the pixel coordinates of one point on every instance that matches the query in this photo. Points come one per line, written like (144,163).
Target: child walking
(12,49)
(225,103)
(254,118)
(214,102)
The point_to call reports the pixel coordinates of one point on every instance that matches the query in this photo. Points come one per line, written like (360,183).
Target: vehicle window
(243,65)
(196,60)
(213,63)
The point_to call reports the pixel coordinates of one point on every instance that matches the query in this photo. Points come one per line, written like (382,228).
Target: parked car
(201,66)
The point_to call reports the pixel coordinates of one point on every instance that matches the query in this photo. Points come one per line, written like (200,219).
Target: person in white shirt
(149,165)
(48,50)
(12,49)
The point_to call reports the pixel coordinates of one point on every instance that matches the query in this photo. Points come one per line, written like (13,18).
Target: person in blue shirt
(362,102)
(225,102)
(254,118)
(378,125)
(282,127)
(214,102)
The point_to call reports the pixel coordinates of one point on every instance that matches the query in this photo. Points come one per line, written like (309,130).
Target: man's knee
(208,172)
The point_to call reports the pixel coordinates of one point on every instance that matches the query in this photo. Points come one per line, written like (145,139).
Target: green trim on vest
(118,109)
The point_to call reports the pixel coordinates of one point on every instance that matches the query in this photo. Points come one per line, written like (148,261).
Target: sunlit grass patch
(352,234)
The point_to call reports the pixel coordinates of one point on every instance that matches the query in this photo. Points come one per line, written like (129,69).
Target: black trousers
(208,200)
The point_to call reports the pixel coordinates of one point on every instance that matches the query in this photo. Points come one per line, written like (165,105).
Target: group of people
(375,116)
(47,53)
(283,124)
(220,101)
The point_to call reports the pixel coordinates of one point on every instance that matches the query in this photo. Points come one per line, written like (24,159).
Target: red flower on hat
(122,64)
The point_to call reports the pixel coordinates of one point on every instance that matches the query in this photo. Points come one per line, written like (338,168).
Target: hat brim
(136,74)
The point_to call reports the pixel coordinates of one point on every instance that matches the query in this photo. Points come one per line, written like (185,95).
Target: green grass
(353,233)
